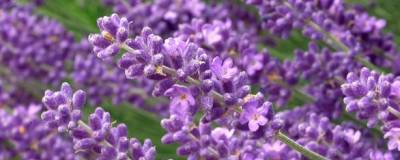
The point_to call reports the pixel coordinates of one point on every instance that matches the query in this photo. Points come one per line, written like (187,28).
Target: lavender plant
(207,71)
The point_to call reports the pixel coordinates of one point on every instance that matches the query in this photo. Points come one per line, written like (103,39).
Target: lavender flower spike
(99,138)
(374,97)
(114,33)
(200,84)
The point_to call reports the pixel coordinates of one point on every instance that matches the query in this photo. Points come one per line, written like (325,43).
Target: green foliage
(79,16)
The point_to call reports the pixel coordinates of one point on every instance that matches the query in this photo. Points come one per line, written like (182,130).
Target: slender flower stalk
(304,151)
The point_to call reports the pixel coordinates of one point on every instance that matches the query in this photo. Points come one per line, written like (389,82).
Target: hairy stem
(299,148)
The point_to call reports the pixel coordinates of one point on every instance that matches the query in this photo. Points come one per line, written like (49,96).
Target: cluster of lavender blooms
(345,27)
(374,97)
(102,81)
(26,42)
(325,71)
(344,141)
(223,90)
(166,16)
(162,15)
(6,4)
(320,67)
(100,138)
(24,135)
(24,53)
(223,39)
(209,72)
(193,80)
(39,53)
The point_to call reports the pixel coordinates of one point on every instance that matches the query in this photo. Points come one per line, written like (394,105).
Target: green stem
(299,148)
(303,96)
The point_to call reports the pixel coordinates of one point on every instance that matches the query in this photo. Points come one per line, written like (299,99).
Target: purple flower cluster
(208,79)
(374,97)
(211,85)
(88,71)
(325,71)
(206,69)
(344,141)
(369,93)
(38,53)
(6,4)
(99,138)
(222,39)
(34,49)
(162,15)
(166,16)
(345,27)
(26,41)
(24,135)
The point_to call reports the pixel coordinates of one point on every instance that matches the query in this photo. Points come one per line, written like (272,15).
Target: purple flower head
(364,23)
(275,150)
(114,32)
(352,136)
(368,94)
(212,33)
(100,138)
(312,129)
(144,56)
(174,47)
(395,89)
(255,114)
(29,137)
(34,49)
(253,62)
(221,133)
(394,139)
(163,16)
(224,70)
(181,99)
(64,107)
(113,28)
(379,155)
(185,56)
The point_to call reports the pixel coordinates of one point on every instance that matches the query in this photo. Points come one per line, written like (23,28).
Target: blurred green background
(79,16)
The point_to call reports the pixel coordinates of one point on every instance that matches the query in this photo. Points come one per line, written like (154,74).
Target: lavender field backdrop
(199,79)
